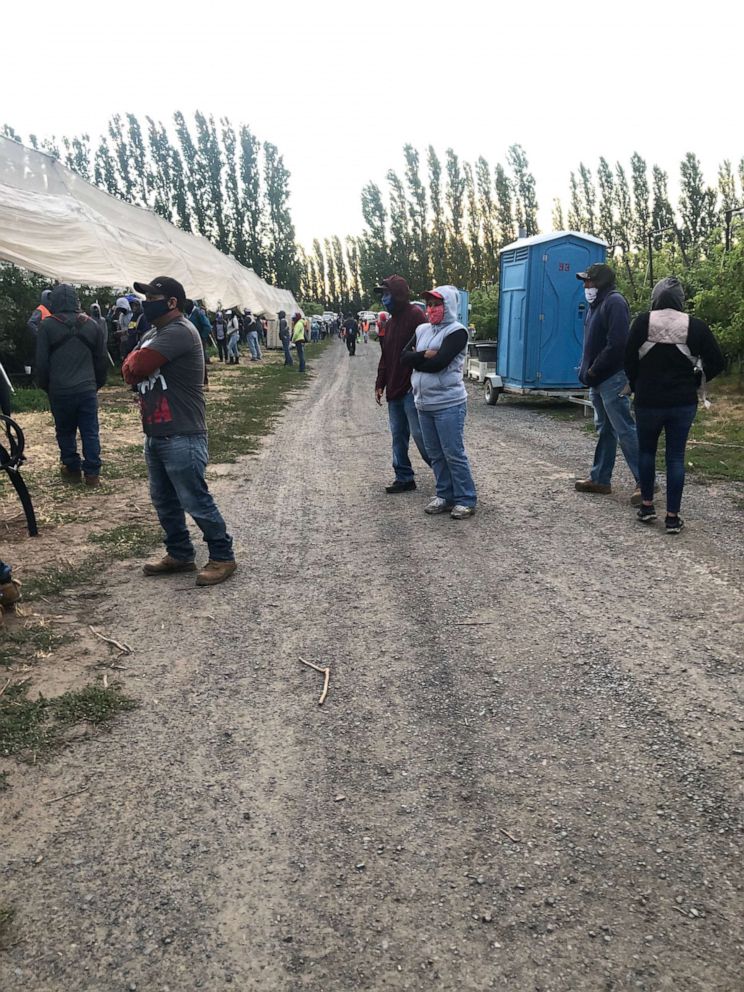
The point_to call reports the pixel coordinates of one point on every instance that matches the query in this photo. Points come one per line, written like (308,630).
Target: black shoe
(646,514)
(674,524)
(401,487)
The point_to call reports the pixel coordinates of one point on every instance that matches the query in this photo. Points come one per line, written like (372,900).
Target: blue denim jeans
(300,346)
(404,425)
(287,353)
(72,414)
(676,422)
(443,432)
(253,344)
(614,423)
(177,467)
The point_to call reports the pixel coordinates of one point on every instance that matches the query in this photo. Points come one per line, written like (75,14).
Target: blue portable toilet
(542,308)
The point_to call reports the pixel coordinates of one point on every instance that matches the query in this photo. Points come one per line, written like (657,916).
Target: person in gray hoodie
(436,354)
(71,366)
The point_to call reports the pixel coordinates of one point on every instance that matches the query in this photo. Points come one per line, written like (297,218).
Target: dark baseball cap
(600,273)
(163,286)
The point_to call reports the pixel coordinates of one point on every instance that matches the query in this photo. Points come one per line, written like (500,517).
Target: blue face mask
(154,309)
(387,300)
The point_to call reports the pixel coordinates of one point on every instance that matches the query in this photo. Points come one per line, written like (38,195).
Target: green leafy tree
(606,182)
(400,227)
(662,213)
(333,294)
(641,209)
(282,248)
(419,258)
(438,236)
(475,275)
(458,262)
(624,225)
(194,179)
(355,282)
(694,201)
(588,199)
(524,183)
(576,220)
(727,186)
(504,207)
(556,217)
(320,268)
(251,199)
(487,208)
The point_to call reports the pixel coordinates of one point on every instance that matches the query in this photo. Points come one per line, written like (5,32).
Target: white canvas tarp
(55,223)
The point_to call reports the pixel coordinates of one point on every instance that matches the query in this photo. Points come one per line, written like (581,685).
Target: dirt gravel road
(527,774)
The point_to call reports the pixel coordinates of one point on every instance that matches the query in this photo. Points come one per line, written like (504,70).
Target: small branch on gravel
(124,648)
(475,623)
(325,672)
(507,834)
(4,687)
(67,795)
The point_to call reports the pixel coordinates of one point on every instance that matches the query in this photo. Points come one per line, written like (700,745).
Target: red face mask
(435,313)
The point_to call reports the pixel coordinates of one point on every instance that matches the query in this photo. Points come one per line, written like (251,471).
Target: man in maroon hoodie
(394,379)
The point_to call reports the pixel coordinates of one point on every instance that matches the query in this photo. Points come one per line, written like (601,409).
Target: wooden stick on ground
(326,673)
(109,640)
(68,795)
(507,834)
(4,687)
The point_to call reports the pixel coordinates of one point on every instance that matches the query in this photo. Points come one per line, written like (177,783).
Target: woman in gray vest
(437,355)
(668,358)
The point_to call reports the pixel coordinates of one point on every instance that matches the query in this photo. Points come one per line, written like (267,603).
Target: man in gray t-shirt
(168,370)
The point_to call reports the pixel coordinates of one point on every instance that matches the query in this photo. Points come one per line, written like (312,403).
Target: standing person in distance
(351,328)
(203,328)
(168,369)
(394,380)
(437,356)
(668,356)
(285,336)
(233,336)
(602,368)
(298,339)
(71,366)
(252,334)
(220,334)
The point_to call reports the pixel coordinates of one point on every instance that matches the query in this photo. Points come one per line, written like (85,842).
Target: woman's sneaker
(461,512)
(437,505)
(674,524)
(646,514)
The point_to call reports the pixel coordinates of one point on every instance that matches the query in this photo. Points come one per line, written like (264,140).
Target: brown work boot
(590,486)
(10,593)
(168,565)
(215,572)
(69,475)
(92,480)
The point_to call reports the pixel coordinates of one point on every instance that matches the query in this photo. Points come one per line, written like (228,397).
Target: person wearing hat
(606,328)
(298,338)
(394,380)
(167,367)
(437,357)
(668,357)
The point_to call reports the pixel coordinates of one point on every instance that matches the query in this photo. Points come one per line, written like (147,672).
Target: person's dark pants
(676,422)
(300,346)
(206,361)
(287,353)
(222,349)
(351,345)
(404,425)
(78,412)
(176,467)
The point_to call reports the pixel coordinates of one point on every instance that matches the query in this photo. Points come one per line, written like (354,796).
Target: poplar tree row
(208,177)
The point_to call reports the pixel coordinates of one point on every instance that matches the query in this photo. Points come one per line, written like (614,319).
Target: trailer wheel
(491,393)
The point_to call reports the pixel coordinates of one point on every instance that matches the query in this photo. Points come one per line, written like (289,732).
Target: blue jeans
(177,466)
(287,353)
(253,344)
(444,440)
(300,346)
(676,422)
(232,348)
(404,425)
(72,414)
(614,423)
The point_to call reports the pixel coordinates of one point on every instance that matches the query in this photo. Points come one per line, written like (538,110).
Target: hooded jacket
(663,348)
(393,377)
(605,336)
(70,349)
(284,334)
(437,382)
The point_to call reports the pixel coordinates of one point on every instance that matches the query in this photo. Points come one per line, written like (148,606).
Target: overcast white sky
(341,86)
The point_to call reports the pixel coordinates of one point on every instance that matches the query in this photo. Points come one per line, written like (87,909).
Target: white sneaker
(437,505)
(460,512)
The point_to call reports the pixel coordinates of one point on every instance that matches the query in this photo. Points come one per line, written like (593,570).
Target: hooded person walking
(437,356)
(285,337)
(669,356)
(71,366)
